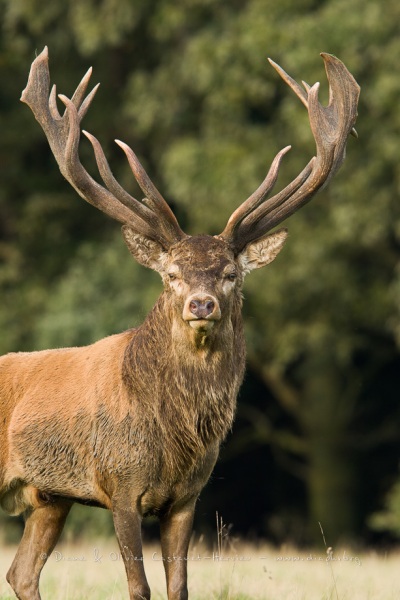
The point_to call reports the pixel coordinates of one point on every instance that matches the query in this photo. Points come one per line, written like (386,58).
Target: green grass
(96,572)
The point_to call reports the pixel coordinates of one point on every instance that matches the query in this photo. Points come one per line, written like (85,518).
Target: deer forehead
(201,254)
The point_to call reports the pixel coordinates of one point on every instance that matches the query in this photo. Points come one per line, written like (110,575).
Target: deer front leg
(43,527)
(176,529)
(127,523)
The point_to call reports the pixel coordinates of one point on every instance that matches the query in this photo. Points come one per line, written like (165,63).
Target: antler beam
(331,127)
(153,217)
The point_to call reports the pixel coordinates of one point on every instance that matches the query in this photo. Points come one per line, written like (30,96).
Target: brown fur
(137,418)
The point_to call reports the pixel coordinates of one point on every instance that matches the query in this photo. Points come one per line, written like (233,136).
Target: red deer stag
(134,422)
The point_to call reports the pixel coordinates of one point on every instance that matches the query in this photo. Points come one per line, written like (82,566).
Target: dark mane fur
(190,393)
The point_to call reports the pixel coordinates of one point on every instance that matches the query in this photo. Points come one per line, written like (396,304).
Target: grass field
(96,572)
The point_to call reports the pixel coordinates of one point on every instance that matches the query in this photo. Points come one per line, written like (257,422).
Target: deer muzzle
(201,311)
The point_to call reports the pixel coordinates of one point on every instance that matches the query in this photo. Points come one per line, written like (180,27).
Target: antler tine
(166,220)
(331,127)
(257,197)
(63,134)
(79,94)
(106,174)
(153,198)
(292,83)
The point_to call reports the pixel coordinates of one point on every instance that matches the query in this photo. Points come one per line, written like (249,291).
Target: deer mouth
(202,325)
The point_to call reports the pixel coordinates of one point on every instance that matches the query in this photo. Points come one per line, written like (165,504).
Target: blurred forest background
(187,84)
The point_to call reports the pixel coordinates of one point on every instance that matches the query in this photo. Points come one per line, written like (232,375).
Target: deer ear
(147,252)
(263,251)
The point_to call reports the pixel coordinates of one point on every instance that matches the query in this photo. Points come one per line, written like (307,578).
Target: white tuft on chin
(202,325)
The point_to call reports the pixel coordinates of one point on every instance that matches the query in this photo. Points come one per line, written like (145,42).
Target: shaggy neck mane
(191,388)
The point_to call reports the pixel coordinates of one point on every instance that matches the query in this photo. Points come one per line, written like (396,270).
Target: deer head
(203,272)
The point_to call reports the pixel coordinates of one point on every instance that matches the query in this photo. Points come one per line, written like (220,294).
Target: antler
(153,217)
(331,127)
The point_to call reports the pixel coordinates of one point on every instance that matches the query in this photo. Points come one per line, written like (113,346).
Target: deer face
(201,274)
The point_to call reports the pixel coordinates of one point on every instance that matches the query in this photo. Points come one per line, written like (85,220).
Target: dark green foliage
(187,84)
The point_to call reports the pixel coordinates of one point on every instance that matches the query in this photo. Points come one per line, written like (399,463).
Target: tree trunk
(326,412)
(331,491)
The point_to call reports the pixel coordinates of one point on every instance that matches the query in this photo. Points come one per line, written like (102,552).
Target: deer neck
(189,389)
(164,350)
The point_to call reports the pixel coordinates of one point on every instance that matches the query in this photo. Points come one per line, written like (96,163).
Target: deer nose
(201,308)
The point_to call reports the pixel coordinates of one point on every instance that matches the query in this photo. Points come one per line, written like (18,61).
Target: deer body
(134,422)
(150,405)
